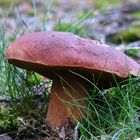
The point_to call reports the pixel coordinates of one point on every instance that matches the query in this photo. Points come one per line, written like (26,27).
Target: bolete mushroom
(54,54)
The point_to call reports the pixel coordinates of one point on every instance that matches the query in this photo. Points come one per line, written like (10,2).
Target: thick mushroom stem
(67,100)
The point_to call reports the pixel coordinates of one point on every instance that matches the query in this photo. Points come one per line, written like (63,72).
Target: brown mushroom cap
(45,51)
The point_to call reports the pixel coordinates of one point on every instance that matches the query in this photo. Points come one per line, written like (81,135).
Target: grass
(113,113)
(76,26)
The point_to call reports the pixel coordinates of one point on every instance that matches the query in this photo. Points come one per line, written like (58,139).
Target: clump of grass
(114,113)
(76,26)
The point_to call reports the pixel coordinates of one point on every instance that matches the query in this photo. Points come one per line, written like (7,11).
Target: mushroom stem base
(67,100)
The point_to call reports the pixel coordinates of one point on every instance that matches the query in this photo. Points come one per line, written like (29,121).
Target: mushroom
(67,58)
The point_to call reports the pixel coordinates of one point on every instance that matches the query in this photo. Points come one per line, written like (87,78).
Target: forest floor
(114,23)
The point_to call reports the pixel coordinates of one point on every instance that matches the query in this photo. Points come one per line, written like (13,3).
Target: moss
(7,3)
(128,36)
(105,3)
(31,13)
(132,52)
(135,13)
(8,121)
